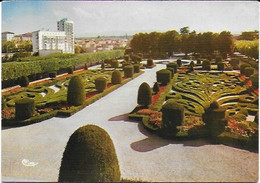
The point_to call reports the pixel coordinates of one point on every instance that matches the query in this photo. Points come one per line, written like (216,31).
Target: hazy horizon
(117,18)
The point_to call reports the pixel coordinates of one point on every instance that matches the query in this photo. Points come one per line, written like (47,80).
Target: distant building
(47,42)
(7,36)
(23,37)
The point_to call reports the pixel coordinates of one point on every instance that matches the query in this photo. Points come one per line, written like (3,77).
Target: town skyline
(92,19)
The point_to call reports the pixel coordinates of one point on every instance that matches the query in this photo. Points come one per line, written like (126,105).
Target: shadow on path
(153,142)
(122,117)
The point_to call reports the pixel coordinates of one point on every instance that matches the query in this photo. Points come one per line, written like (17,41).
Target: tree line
(165,43)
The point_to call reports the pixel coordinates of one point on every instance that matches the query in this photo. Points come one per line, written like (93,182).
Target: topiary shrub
(218,59)
(255,80)
(128,71)
(89,156)
(206,65)
(24,81)
(191,68)
(102,65)
(156,87)
(136,68)
(116,77)
(70,70)
(249,71)
(215,119)
(76,91)
(171,70)
(163,76)
(144,96)
(172,65)
(127,58)
(221,66)
(114,63)
(179,63)
(100,84)
(24,108)
(86,67)
(150,62)
(172,116)
(199,61)
(234,62)
(242,68)
(53,74)
(192,64)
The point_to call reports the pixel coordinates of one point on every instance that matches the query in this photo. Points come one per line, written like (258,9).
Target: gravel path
(142,156)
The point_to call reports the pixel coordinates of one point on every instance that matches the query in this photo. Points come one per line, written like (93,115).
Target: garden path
(142,155)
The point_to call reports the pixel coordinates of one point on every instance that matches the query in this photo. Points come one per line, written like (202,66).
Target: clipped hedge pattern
(24,108)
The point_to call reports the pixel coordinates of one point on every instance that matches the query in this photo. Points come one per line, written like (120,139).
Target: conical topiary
(76,91)
(144,94)
(90,156)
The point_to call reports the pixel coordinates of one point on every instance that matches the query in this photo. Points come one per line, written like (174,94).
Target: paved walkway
(142,156)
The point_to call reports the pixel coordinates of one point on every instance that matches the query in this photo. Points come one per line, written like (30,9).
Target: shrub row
(35,65)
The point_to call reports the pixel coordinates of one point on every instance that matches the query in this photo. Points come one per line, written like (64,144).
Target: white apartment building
(47,42)
(7,36)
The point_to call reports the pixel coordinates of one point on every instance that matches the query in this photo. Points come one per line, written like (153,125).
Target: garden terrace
(51,98)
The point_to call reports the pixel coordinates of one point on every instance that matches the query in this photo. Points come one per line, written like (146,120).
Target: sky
(93,18)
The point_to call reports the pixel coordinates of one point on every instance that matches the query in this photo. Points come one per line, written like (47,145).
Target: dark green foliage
(156,87)
(102,65)
(198,61)
(150,62)
(224,55)
(89,156)
(128,71)
(100,84)
(234,62)
(171,70)
(144,94)
(114,63)
(24,108)
(244,111)
(192,64)
(206,65)
(127,58)
(172,65)
(256,120)
(191,68)
(255,80)
(172,116)
(215,119)
(116,77)
(221,66)
(242,68)
(86,67)
(53,74)
(136,68)
(163,76)
(249,71)
(24,81)
(76,91)
(70,70)
(179,62)
(218,59)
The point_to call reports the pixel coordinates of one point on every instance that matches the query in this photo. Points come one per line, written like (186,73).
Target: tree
(8,46)
(225,42)
(184,30)
(249,35)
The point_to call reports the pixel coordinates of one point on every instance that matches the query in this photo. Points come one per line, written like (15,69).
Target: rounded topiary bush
(127,58)
(163,76)
(114,63)
(53,74)
(24,81)
(24,108)
(76,91)
(191,68)
(86,67)
(255,80)
(156,87)
(144,96)
(171,70)
(249,71)
(218,59)
(128,71)
(243,67)
(199,61)
(172,65)
(206,65)
(234,62)
(116,77)
(136,68)
(70,70)
(100,84)
(172,115)
(150,62)
(179,63)
(89,156)
(221,66)
(102,66)
(192,63)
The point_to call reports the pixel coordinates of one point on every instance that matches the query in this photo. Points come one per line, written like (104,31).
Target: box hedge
(24,108)
(144,96)
(76,91)
(128,71)
(116,77)
(100,84)
(163,76)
